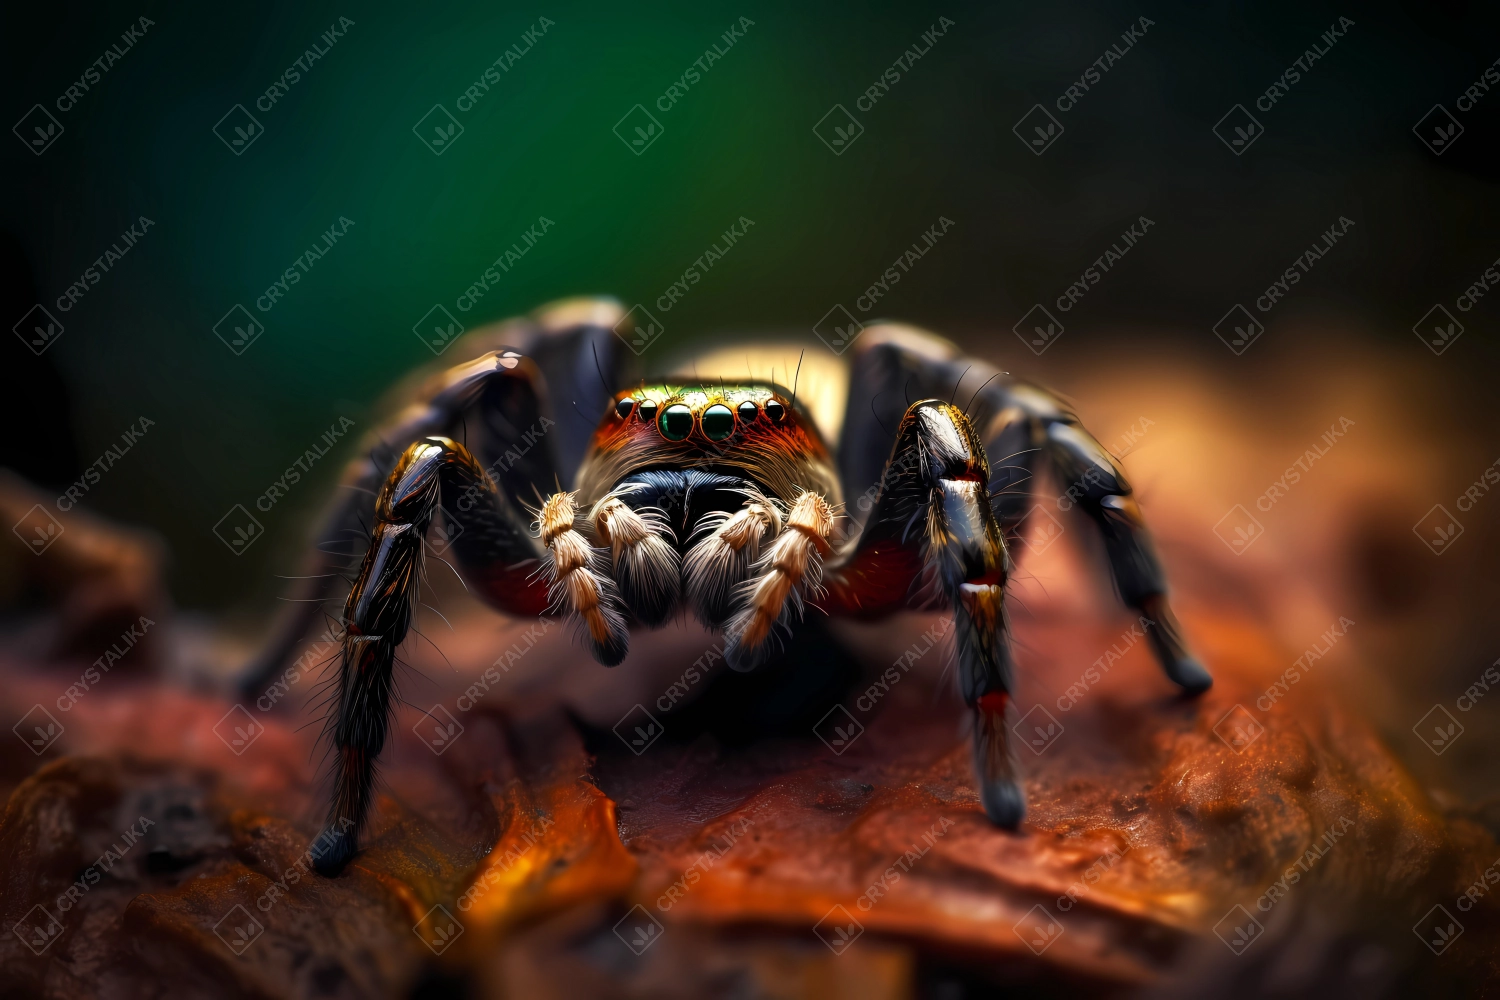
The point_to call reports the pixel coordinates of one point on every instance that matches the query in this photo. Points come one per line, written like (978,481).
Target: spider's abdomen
(754,429)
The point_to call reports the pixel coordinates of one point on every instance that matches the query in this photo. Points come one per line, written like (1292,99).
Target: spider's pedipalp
(724,545)
(578,583)
(790,568)
(646,568)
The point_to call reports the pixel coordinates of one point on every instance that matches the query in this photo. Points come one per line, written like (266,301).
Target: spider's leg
(578,582)
(931,540)
(790,569)
(493,548)
(646,564)
(724,545)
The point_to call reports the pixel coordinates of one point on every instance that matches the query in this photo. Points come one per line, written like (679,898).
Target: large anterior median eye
(676,422)
(718,422)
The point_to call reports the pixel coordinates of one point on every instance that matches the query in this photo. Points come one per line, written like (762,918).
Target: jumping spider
(721,499)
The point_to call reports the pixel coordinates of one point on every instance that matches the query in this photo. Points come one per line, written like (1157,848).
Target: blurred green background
(340,143)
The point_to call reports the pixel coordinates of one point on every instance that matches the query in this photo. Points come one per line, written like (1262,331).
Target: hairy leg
(578,584)
(724,546)
(790,569)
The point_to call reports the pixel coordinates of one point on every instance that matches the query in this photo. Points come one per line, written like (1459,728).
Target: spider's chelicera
(724,500)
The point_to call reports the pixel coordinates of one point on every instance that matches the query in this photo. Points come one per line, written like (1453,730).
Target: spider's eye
(624,406)
(775,411)
(647,409)
(676,422)
(748,412)
(718,422)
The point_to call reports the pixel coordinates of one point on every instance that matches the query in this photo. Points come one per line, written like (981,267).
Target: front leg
(931,540)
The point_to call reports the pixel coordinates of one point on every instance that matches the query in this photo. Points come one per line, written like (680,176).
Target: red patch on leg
(993,703)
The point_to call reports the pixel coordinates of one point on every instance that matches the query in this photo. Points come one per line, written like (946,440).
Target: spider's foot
(1004,801)
(331,852)
(1188,674)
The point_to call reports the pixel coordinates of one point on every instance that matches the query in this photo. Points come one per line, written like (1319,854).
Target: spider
(723,500)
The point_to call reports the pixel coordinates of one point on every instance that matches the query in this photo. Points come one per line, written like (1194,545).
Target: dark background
(740,143)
